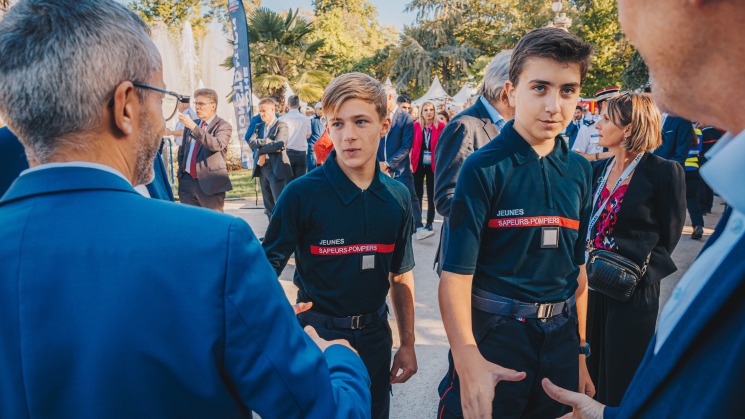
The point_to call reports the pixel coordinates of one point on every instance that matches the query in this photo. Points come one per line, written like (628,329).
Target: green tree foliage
(431,47)
(172,14)
(351,32)
(636,74)
(282,51)
(598,25)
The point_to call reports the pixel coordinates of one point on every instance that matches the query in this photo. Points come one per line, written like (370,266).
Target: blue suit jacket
(12,159)
(94,323)
(677,136)
(398,143)
(698,372)
(160,187)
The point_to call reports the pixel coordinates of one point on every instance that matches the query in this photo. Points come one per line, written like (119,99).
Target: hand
(300,307)
(323,343)
(187,121)
(478,377)
(583,406)
(384,168)
(404,361)
(585,382)
(168,132)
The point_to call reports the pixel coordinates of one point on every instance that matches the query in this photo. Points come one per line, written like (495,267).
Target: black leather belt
(495,304)
(351,322)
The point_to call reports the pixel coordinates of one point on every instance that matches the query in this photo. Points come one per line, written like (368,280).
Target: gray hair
(208,93)
(495,75)
(293,102)
(62,60)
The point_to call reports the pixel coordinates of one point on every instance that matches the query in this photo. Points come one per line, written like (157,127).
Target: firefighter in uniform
(349,226)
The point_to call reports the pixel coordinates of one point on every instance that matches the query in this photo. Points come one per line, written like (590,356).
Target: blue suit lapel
(64,179)
(655,369)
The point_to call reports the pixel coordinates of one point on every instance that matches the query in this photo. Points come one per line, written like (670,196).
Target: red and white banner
(539,221)
(351,249)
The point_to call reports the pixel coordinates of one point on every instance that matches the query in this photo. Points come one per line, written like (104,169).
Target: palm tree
(281,54)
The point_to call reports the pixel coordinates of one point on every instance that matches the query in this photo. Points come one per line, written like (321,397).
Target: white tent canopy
(465,93)
(435,94)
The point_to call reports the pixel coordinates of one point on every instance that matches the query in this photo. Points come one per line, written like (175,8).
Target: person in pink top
(427,130)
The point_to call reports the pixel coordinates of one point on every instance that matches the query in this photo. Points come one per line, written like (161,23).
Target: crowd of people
(559,226)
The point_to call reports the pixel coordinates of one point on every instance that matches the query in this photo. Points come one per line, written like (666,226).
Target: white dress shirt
(724,172)
(298,130)
(194,143)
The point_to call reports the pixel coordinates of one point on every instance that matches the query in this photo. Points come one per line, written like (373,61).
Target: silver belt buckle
(357,322)
(545,310)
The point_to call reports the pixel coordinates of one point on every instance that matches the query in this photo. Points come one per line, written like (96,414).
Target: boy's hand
(404,360)
(478,377)
(585,382)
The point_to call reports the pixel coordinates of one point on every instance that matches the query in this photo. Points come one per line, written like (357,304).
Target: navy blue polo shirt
(346,240)
(518,222)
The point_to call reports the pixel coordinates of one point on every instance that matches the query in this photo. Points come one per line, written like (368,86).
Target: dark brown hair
(552,43)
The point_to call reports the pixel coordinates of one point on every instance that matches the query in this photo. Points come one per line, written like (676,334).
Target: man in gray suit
(271,163)
(468,131)
(202,172)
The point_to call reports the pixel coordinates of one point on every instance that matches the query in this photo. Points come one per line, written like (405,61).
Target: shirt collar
(523,153)
(724,171)
(345,189)
(209,121)
(492,111)
(89,165)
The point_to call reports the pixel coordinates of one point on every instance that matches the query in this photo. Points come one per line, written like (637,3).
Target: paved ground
(418,397)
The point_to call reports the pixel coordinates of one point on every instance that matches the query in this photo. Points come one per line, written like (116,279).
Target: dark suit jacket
(12,159)
(698,371)
(677,136)
(113,327)
(274,145)
(652,214)
(212,172)
(467,132)
(571,133)
(397,145)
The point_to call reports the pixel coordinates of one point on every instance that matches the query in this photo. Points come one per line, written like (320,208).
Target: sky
(390,12)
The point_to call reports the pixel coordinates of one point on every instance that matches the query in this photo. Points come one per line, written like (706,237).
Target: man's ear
(509,88)
(385,127)
(126,105)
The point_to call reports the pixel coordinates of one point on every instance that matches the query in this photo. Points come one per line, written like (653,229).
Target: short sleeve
(469,214)
(584,215)
(403,252)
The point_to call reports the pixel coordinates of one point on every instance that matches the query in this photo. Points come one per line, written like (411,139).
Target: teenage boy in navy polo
(349,226)
(513,280)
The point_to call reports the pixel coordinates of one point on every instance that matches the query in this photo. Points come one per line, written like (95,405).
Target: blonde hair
(639,111)
(422,122)
(354,86)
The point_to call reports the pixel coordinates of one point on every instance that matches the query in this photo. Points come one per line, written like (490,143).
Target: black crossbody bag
(608,272)
(614,275)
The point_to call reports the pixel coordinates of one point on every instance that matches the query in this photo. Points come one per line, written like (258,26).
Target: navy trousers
(541,349)
(373,343)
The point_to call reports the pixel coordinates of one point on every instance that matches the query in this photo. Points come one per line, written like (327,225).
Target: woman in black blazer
(643,217)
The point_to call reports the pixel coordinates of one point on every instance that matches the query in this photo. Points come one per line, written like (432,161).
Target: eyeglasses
(200,104)
(169,101)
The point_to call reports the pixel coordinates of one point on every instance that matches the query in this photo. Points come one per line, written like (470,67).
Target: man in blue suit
(92,323)
(694,365)
(393,153)
(12,159)
(677,136)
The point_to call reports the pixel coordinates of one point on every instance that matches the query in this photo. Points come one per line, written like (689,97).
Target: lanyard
(626,173)
(427,136)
